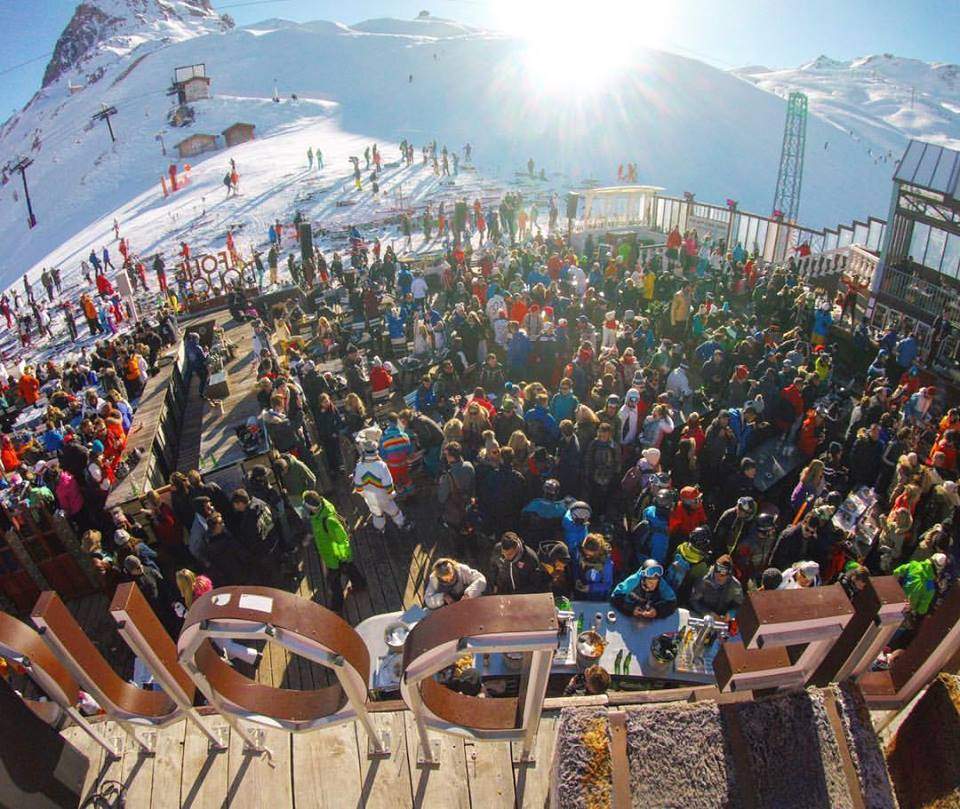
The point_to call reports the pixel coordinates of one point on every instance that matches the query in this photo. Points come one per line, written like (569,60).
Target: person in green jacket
(919,581)
(333,546)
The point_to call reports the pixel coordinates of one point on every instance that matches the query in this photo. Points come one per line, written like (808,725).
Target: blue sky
(731,34)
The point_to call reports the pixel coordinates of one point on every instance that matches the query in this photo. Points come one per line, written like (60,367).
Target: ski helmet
(551,488)
(650,569)
(701,538)
(580,512)
(747,505)
(664,499)
(766,524)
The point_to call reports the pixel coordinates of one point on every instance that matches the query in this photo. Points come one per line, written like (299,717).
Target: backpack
(227,180)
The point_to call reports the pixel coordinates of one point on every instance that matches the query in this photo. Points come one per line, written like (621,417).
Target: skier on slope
(309,157)
(372,480)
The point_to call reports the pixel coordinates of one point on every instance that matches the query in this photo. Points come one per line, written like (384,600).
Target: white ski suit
(373,480)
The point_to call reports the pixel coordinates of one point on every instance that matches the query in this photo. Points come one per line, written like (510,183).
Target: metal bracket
(383,736)
(521,760)
(117,744)
(147,742)
(222,732)
(258,737)
(429,757)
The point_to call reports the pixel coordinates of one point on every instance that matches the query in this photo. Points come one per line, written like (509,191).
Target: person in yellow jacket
(649,285)
(680,310)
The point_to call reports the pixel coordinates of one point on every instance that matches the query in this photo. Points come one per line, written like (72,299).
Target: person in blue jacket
(742,421)
(645,594)
(576,525)
(592,569)
(425,401)
(652,534)
(542,518)
(404,279)
(518,353)
(541,426)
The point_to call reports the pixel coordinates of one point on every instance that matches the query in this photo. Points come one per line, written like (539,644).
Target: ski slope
(687,126)
(878,101)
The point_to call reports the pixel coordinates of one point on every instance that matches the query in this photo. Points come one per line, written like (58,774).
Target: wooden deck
(325,768)
(328,767)
(208,439)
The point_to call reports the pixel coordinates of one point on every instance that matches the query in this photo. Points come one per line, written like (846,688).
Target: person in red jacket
(104,287)
(793,395)
(688,513)
(380,377)
(8,454)
(811,432)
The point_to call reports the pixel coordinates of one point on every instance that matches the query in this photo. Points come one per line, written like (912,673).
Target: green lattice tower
(786,199)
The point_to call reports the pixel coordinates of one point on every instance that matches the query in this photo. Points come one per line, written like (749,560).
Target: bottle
(626,663)
(580,623)
(616,663)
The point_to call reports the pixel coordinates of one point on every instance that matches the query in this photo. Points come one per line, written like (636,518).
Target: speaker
(572,201)
(306,241)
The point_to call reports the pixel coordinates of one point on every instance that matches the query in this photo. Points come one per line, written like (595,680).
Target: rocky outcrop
(88,27)
(125,23)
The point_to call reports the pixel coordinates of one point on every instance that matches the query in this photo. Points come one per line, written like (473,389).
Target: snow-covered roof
(931,167)
(614,190)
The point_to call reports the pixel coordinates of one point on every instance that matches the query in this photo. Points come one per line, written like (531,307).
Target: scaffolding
(786,198)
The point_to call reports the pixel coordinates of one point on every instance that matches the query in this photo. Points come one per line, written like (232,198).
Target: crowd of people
(591,419)
(594,421)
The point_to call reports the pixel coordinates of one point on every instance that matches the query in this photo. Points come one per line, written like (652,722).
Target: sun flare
(577,45)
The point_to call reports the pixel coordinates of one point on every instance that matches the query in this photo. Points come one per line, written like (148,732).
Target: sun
(576,44)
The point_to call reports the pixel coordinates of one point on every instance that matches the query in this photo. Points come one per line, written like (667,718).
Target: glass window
(918,242)
(951,257)
(935,245)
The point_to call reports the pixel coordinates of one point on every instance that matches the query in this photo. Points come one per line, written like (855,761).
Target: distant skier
(160,270)
(58,283)
(366,157)
(467,151)
(116,230)
(94,260)
(309,157)
(319,159)
(106,259)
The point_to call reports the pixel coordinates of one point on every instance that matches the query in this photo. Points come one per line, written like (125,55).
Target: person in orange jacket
(29,386)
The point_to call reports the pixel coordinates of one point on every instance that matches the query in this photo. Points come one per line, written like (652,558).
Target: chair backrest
(21,644)
(120,699)
(142,631)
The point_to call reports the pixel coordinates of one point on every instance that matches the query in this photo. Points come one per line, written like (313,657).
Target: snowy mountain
(687,126)
(880,101)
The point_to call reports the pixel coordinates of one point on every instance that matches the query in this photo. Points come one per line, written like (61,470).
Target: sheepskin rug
(924,754)
(684,755)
